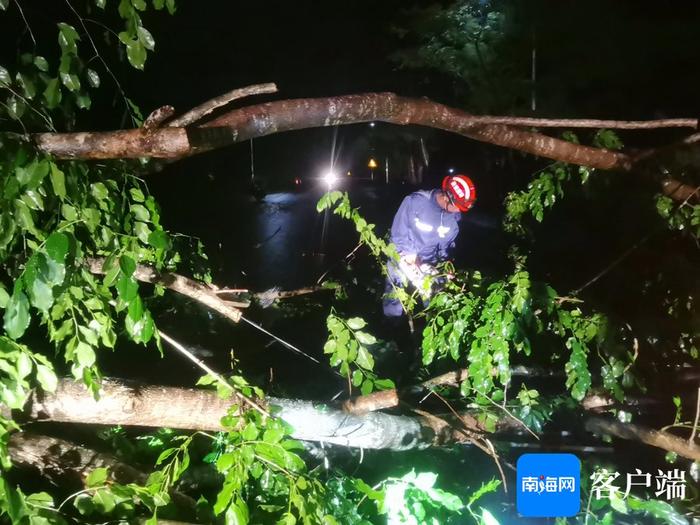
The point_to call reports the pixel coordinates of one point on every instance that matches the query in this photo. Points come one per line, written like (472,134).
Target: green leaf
(52,94)
(84,504)
(357,378)
(5,78)
(24,365)
(83,100)
(57,246)
(136,53)
(4,296)
(24,217)
(67,38)
(33,199)
(273,435)
(104,501)
(93,78)
(97,477)
(41,63)
(136,195)
(142,231)
(27,84)
(356,323)
(70,80)
(7,229)
(69,212)
(364,359)
(41,294)
(84,354)
(365,338)
(159,240)
(250,432)
(127,265)
(140,212)
(146,38)
(127,288)
(237,513)
(15,107)
(16,318)
(46,377)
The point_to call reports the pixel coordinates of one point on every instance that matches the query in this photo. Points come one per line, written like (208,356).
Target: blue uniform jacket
(422,227)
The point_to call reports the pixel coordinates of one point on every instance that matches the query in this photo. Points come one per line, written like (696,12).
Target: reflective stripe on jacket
(422,227)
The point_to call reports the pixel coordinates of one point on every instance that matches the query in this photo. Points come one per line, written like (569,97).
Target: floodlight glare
(330,177)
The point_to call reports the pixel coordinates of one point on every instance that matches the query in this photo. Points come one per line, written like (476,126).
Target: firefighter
(424,231)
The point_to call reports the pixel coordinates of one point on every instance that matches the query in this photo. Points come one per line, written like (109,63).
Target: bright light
(451,170)
(372,163)
(330,177)
(371,124)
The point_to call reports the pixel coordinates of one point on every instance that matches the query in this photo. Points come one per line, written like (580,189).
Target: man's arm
(446,245)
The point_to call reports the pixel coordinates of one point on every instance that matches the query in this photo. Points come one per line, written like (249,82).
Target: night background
(581,282)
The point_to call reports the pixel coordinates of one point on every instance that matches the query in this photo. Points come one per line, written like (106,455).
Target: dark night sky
(626,59)
(622,59)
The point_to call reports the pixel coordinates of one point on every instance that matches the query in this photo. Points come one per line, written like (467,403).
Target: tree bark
(62,461)
(391,398)
(287,115)
(180,284)
(156,406)
(201,111)
(655,438)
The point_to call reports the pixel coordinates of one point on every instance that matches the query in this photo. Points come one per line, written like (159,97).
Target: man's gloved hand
(409,258)
(416,273)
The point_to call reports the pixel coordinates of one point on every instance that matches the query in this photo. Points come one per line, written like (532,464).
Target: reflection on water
(289,237)
(293,244)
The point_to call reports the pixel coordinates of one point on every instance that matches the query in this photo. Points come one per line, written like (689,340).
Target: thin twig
(494,455)
(510,414)
(617,261)
(350,254)
(104,63)
(695,423)
(31,34)
(487,449)
(588,123)
(189,355)
(196,114)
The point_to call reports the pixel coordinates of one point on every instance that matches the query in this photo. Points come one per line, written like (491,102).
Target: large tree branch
(201,111)
(383,399)
(287,115)
(62,462)
(655,438)
(180,284)
(157,406)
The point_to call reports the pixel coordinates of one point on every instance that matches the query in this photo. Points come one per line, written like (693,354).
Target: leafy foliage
(465,41)
(683,218)
(35,91)
(349,348)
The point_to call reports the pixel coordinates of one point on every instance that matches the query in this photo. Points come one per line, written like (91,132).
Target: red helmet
(460,191)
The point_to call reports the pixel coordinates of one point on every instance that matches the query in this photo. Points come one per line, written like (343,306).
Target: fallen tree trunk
(287,115)
(62,461)
(156,406)
(172,142)
(655,438)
